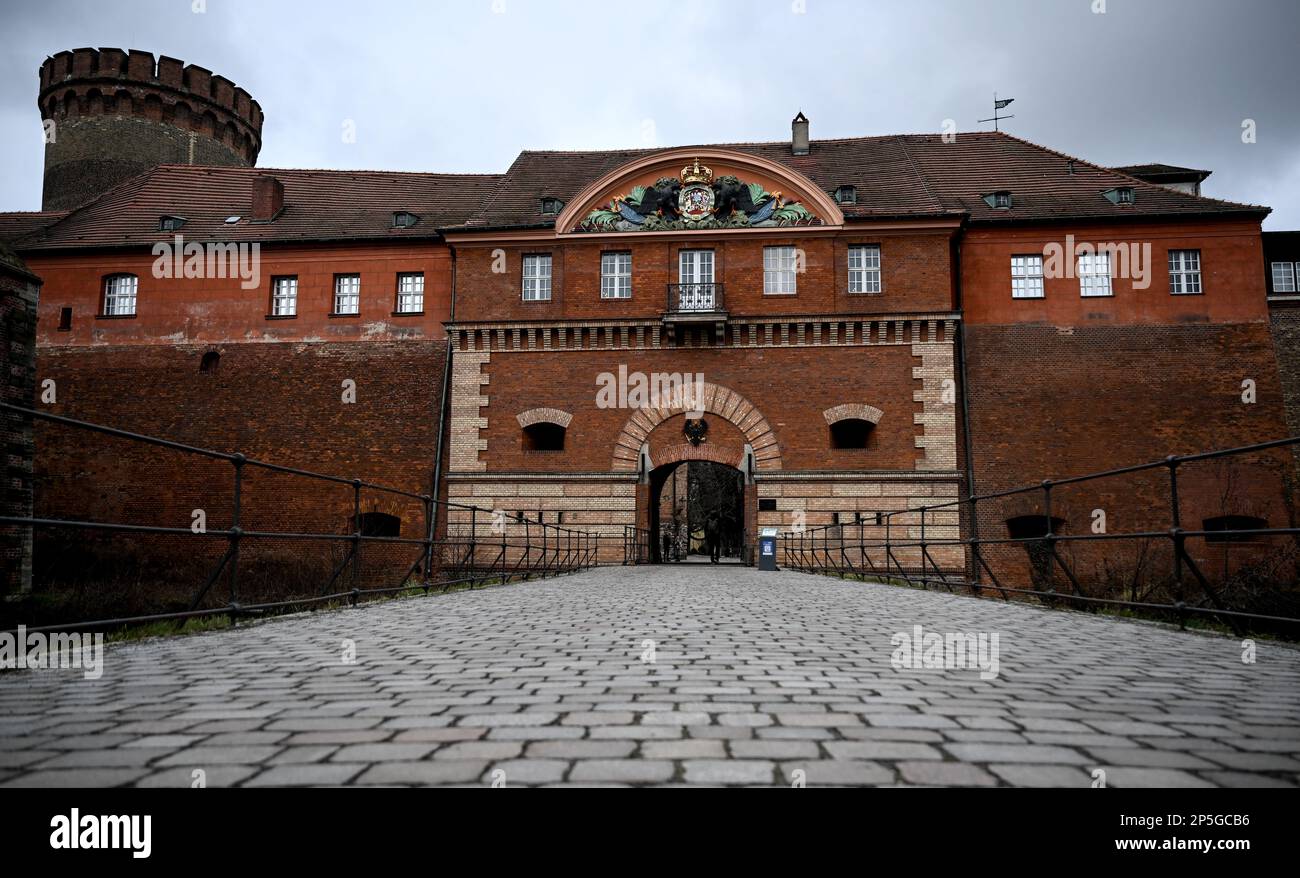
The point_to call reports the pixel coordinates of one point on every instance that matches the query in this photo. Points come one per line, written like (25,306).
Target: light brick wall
(938,398)
(819,501)
(467,399)
(601,506)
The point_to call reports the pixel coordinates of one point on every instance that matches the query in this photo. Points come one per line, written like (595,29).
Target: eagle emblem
(695,429)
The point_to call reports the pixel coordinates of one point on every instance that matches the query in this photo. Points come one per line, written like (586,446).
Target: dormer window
(404,220)
(846,195)
(1001,200)
(1119,195)
(551,206)
(170,223)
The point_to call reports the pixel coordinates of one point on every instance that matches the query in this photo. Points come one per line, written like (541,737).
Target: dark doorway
(684,497)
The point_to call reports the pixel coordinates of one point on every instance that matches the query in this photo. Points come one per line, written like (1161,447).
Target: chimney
(799,134)
(268,198)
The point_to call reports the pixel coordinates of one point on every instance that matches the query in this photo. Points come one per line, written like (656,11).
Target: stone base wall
(600,505)
(858,513)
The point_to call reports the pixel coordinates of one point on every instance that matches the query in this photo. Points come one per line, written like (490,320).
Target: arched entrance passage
(728,429)
(695,504)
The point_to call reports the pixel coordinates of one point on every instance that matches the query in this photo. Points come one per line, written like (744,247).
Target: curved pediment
(698,189)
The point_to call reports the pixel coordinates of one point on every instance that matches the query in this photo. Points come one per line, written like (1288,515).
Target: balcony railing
(697,298)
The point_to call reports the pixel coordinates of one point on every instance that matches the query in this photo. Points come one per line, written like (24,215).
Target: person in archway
(713,537)
(668,547)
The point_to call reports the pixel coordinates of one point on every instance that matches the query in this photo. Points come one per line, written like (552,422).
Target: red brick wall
(1286,341)
(1230,260)
(216,310)
(916,276)
(1066,385)
(281,403)
(791,387)
(1052,403)
(18,297)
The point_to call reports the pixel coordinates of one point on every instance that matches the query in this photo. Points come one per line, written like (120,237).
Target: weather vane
(998,105)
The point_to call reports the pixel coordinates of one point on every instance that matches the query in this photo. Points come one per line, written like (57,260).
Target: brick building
(19,292)
(864,325)
(1282,274)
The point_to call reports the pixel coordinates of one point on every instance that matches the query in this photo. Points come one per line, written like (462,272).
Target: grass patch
(51,605)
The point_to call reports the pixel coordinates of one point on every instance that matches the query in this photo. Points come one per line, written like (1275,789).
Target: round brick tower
(110,115)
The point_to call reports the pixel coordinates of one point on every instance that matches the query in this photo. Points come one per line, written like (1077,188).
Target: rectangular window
(695,267)
(864,268)
(65,319)
(695,275)
(347,294)
(1184,272)
(119,295)
(1094,275)
(284,296)
(410,293)
(537,278)
(616,275)
(1026,277)
(779,271)
(1283,277)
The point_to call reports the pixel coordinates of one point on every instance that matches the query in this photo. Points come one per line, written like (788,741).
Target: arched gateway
(708,424)
(708,399)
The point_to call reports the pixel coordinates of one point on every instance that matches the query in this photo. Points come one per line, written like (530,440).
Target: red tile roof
(914,175)
(318,206)
(895,175)
(20,224)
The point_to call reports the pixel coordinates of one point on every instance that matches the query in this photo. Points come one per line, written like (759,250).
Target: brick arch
(715,400)
(544,415)
(855,411)
(1030,503)
(686,451)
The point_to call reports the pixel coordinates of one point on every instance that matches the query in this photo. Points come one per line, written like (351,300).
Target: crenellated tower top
(111,114)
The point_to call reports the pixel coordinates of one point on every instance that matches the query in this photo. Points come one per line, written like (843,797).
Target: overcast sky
(463,85)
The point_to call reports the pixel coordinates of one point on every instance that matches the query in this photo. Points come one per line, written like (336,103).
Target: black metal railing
(1164,571)
(225,545)
(636,545)
(695,298)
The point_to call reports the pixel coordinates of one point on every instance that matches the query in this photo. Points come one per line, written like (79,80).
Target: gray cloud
(460,86)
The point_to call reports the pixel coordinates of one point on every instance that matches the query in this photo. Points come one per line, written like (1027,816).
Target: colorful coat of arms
(696,200)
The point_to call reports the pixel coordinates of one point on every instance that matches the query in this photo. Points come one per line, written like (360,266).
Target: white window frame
(120,294)
(780,270)
(1185,273)
(537,277)
(1027,276)
(864,269)
(410,292)
(695,273)
(347,294)
(284,296)
(616,275)
(1093,271)
(695,266)
(1286,273)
